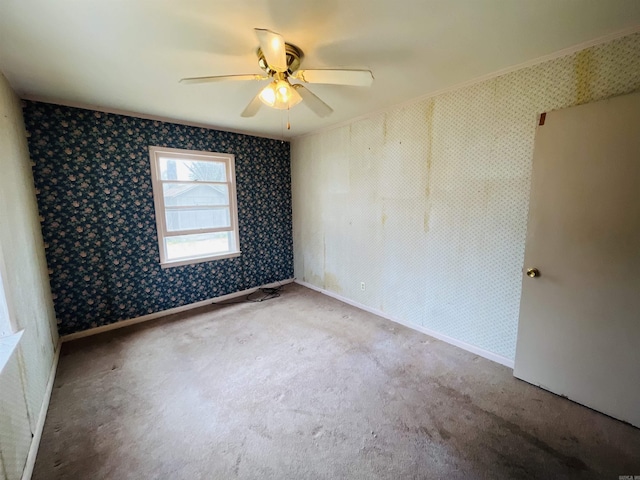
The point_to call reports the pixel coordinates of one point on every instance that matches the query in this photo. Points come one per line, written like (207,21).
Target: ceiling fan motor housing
(294,57)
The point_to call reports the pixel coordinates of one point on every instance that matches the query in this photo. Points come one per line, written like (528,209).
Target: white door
(579,329)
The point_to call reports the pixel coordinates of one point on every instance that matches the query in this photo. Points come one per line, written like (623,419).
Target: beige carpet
(306,387)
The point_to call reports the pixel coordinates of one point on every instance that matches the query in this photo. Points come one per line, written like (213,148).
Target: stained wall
(427,203)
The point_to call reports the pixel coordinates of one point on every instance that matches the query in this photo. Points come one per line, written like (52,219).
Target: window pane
(199,245)
(192,194)
(190,170)
(197,218)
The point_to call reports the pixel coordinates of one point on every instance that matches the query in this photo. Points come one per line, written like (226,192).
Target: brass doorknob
(533,272)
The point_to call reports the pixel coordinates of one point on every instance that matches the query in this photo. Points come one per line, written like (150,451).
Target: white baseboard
(460,344)
(171,311)
(37,435)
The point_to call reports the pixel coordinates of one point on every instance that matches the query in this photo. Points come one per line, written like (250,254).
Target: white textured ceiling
(129,55)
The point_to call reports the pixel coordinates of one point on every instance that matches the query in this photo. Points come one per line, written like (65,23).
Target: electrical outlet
(362,286)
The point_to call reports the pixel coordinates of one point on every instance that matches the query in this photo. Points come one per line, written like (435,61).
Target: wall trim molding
(483,78)
(170,311)
(37,435)
(432,333)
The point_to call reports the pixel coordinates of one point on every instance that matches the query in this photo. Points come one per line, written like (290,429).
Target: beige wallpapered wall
(26,286)
(427,203)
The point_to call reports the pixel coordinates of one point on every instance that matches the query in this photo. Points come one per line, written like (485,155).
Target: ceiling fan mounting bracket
(294,57)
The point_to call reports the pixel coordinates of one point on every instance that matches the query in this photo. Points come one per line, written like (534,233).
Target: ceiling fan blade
(222,78)
(253,107)
(272,46)
(313,102)
(357,78)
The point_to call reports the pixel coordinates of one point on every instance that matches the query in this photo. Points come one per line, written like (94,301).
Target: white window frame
(158,197)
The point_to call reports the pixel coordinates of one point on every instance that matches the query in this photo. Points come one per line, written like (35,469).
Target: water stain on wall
(584,72)
(474,146)
(331,282)
(313,278)
(384,128)
(429,110)
(324,253)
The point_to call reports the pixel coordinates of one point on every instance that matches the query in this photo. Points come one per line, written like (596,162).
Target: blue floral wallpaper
(93,184)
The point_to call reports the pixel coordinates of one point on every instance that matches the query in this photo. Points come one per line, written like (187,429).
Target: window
(195,200)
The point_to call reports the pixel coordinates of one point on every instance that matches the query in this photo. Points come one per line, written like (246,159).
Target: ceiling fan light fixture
(279,94)
(268,95)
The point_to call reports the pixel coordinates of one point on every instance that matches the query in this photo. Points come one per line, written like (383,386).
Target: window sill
(192,261)
(8,345)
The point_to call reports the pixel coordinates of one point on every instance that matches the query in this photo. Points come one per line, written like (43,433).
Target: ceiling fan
(281,62)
